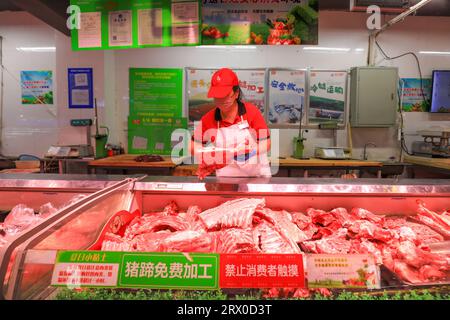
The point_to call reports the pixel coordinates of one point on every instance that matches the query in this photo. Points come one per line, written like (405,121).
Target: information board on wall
(327,97)
(286,97)
(81,92)
(155,109)
(135,24)
(251,81)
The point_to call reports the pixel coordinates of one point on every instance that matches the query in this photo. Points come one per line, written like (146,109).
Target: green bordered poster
(136,270)
(106,24)
(156,98)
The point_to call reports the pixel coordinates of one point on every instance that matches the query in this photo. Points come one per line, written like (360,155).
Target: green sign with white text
(136,270)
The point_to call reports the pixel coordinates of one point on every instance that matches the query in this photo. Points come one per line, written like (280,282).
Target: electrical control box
(373,96)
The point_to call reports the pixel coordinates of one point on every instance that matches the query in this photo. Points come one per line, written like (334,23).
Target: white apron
(255,166)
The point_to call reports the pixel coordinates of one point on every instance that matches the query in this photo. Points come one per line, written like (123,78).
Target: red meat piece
(150,242)
(367,215)
(342,216)
(301,220)
(408,252)
(405,272)
(320,217)
(368,230)
(189,241)
(431,273)
(171,209)
(282,221)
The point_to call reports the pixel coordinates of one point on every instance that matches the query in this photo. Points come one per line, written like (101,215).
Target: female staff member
(236,129)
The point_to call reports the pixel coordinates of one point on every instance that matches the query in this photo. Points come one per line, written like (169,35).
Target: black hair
(240,96)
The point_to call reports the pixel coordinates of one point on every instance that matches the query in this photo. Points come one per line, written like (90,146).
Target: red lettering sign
(261,271)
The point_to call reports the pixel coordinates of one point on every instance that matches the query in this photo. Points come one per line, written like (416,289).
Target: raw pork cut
(234,213)
(271,241)
(237,241)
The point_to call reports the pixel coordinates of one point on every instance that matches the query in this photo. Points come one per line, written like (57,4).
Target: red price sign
(261,271)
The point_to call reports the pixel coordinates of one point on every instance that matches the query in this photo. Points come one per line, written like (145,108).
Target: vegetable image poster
(413,99)
(257,22)
(37,87)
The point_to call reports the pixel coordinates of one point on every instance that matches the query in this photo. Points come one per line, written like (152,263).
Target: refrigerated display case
(30,193)
(82,227)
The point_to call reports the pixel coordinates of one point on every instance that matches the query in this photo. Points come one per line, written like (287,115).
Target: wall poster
(251,81)
(81,93)
(286,103)
(37,87)
(327,96)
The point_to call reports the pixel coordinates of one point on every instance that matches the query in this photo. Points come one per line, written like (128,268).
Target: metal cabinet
(373,96)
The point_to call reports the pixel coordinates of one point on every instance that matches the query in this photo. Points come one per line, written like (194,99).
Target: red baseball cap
(222,82)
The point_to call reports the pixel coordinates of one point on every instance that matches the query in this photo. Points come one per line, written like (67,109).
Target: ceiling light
(439,53)
(36,49)
(326,49)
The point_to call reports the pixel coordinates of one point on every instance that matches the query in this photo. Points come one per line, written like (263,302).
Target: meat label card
(261,271)
(342,271)
(136,270)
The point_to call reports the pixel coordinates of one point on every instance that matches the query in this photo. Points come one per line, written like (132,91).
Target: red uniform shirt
(249,113)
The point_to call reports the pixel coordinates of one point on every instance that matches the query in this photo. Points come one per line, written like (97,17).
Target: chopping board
(127,160)
(443,163)
(314,162)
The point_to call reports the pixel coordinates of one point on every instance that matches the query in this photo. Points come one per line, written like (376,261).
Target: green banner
(106,24)
(136,270)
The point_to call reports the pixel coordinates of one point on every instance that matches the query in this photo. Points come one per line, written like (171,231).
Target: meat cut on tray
(247,225)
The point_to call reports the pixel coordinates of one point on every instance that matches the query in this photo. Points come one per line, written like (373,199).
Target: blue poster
(412,98)
(37,87)
(81,93)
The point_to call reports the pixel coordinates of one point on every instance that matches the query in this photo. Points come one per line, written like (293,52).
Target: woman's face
(226,104)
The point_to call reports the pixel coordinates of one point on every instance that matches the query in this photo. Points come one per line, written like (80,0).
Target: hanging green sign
(153,135)
(106,24)
(155,110)
(136,270)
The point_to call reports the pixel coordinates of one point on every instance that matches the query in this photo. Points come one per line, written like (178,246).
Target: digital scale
(331,153)
(434,144)
(74,151)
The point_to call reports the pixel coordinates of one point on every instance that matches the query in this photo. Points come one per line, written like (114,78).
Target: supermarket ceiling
(53,12)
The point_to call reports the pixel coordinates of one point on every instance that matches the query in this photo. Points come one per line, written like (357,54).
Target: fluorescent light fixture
(36,49)
(360,49)
(211,47)
(326,49)
(244,47)
(437,53)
